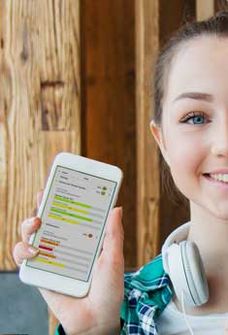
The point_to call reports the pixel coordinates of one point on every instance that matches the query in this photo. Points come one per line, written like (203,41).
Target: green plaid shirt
(147,293)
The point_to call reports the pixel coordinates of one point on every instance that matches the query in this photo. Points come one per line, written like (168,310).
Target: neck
(210,235)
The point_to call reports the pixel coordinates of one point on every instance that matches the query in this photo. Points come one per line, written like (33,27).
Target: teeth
(220,177)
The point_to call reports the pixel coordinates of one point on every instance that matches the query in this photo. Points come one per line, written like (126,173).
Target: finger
(28,227)
(113,242)
(23,251)
(226,328)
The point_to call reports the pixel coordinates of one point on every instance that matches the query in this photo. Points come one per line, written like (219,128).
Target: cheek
(185,156)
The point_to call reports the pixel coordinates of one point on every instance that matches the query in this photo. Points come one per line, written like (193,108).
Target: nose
(220,144)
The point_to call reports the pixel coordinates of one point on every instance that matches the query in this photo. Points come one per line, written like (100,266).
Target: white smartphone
(75,208)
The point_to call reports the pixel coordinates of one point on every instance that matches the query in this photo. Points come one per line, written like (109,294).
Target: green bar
(73,215)
(58,197)
(62,205)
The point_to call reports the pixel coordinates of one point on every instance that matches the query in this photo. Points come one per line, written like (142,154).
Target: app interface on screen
(73,220)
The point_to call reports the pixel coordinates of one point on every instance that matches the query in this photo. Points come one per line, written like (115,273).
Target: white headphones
(183,264)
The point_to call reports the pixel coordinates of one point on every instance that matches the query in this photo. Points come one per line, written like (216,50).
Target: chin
(221,215)
(210,211)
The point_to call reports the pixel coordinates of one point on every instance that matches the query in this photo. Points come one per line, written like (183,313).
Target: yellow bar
(57,204)
(62,219)
(42,260)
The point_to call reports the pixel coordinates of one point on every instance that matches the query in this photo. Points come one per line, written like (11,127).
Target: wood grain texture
(108,99)
(172,14)
(220,5)
(148,181)
(204,9)
(173,208)
(40,103)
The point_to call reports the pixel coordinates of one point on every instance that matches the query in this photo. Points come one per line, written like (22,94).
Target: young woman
(185,289)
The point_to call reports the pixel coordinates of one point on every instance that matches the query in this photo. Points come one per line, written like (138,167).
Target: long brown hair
(216,25)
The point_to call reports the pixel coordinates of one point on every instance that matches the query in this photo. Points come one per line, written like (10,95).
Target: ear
(159,138)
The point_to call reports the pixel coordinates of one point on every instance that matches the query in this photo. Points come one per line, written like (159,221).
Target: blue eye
(194,118)
(198,119)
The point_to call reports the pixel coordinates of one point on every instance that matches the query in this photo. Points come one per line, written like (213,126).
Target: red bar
(46,248)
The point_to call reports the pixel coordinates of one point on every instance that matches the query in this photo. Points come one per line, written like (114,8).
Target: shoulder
(147,292)
(148,279)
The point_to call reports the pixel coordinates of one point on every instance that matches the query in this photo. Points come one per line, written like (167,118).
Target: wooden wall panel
(220,5)
(5,98)
(44,109)
(108,99)
(204,9)
(148,193)
(180,12)
(40,103)
(173,208)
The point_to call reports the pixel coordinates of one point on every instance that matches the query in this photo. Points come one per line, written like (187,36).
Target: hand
(226,328)
(98,312)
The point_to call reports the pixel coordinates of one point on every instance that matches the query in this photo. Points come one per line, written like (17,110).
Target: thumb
(113,242)
(226,328)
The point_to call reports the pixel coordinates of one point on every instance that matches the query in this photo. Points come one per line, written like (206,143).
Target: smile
(218,177)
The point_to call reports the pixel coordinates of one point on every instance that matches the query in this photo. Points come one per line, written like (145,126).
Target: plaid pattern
(147,293)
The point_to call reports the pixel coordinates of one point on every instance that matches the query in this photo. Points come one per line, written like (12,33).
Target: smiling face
(194,131)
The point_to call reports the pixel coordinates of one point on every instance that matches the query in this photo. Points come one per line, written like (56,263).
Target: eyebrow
(196,96)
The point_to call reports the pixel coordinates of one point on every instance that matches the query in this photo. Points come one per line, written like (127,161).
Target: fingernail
(37,220)
(33,251)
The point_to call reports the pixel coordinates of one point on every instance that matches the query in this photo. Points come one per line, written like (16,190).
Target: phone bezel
(54,281)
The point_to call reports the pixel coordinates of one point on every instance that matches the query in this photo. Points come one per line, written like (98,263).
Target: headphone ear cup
(187,273)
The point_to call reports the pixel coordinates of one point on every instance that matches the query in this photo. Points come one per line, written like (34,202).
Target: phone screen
(73,220)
